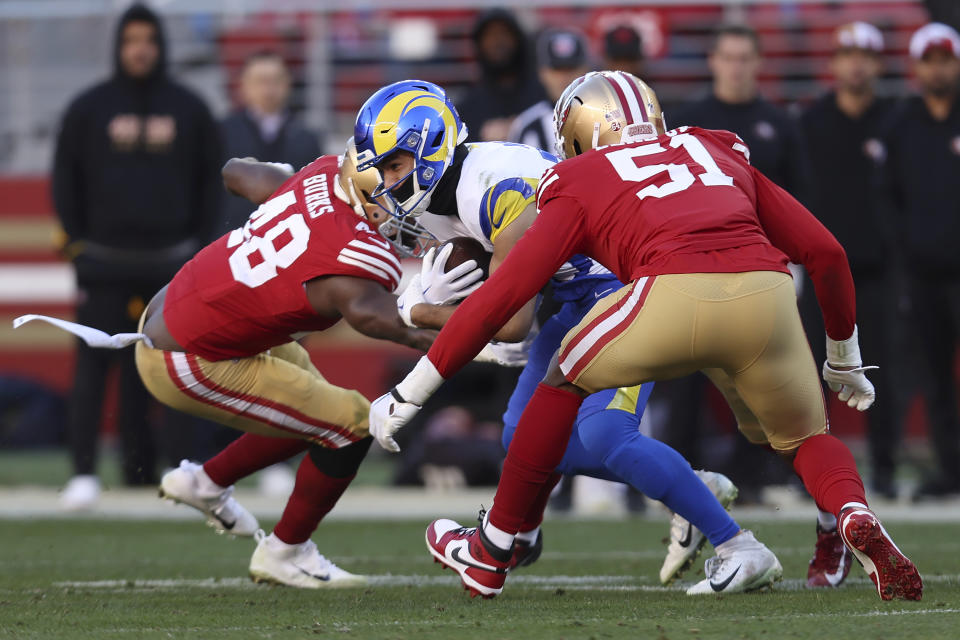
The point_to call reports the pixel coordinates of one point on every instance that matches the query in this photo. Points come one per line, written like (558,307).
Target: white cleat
(686,541)
(742,564)
(81,493)
(297,565)
(189,484)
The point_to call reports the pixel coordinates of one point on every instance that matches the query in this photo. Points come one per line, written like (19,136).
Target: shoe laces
(713,565)
(222,505)
(319,562)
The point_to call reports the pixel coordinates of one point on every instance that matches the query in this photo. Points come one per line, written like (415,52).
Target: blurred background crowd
(115,120)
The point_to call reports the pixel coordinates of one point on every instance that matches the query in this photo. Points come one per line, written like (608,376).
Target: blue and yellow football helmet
(414,116)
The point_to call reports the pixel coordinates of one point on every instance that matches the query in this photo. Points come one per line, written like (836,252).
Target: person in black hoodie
(136,187)
(508,82)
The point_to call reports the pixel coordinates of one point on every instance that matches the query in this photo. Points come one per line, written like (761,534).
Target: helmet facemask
(407,236)
(357,188)
(416,117)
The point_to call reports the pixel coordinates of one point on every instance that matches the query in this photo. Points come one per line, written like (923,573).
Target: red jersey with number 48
(685,202)
(244,293)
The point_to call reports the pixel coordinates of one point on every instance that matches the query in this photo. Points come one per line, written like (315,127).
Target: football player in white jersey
(436,186)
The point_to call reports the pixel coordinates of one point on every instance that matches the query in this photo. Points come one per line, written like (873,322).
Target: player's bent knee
(647,464)
(342,462)
(355,412)
(555,378)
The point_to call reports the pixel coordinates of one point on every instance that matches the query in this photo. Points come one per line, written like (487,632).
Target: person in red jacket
(703,239)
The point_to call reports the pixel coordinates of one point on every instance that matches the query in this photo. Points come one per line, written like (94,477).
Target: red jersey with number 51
(685,202)
(244,293)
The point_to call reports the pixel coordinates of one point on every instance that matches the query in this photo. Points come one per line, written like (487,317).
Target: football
(464,249)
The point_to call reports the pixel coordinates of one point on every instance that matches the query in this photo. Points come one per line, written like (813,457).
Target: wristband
(844,353)
(420,383)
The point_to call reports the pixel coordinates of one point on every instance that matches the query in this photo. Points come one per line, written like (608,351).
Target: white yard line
(585,582)
(392,503)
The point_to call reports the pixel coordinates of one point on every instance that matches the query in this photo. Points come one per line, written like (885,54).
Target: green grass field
(101,579)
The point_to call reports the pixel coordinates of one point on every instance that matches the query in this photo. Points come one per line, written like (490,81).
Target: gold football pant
(275,393)
(741,329)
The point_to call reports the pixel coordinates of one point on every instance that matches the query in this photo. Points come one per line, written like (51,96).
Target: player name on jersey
(317,192)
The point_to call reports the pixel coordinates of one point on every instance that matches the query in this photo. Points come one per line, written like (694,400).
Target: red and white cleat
(482,567)
(831,560)
(892,572)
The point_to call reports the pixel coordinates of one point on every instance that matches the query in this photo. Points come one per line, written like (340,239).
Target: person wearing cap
(734,103)
(623,50)
(920,176)
(561,59)
(841,130)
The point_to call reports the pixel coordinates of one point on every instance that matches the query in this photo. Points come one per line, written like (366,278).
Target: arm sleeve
(553,237)
(365,254)
(796,232)
(66,182)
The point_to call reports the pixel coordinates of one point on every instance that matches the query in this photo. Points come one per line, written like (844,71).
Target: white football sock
(826,520)
(499,537)
(856,505)
(528,536)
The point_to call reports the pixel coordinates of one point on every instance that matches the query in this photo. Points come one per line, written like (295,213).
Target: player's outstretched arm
(367,307)
(795,231)
(256,181)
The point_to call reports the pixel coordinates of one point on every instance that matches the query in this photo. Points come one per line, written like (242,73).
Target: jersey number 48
(258,258)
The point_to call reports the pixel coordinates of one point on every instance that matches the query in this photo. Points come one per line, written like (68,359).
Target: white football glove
(852,385)
(411,297)
(505,354)
(387,414)
(438,287)
(393,410)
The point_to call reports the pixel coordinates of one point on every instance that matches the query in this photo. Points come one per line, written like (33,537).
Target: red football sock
(829,473)
(248,453)
(537,448)
(314,495)
(535,515)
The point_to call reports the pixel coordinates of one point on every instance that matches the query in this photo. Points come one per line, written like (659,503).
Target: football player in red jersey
(221,347)
(704,240)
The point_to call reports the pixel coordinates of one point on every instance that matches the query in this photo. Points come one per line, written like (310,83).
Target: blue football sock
(656,470)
